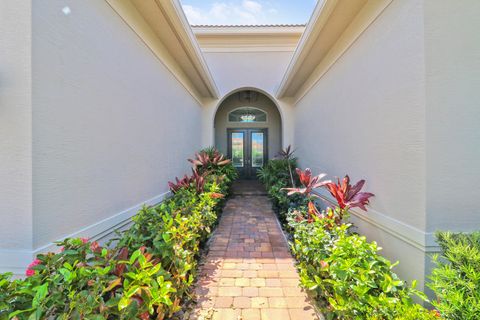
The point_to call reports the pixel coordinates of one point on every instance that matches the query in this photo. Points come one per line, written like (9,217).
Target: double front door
(248,150)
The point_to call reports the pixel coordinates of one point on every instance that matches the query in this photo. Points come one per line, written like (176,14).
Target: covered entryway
(248,129)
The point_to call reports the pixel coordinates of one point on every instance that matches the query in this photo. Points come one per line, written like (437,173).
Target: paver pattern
(249,273)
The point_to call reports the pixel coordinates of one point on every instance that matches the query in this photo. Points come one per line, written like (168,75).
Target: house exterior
(102,100)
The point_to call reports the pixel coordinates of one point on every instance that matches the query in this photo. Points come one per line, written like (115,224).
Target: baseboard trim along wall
(424,241)
(16,261)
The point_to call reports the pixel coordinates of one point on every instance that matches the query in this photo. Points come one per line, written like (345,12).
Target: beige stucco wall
(452,46)
(15,133)
(366,117)
(111,125)
(262,70)
(273,124)
(400,108)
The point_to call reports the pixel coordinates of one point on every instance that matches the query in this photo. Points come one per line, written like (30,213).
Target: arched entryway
(248,127)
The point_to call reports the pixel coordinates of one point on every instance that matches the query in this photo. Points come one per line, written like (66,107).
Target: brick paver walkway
(249,273)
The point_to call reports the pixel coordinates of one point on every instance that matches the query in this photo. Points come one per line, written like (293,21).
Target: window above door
(247,115)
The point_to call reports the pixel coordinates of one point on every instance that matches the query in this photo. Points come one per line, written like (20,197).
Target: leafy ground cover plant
(456,277)
(348,276)
(146,274)
(85,280)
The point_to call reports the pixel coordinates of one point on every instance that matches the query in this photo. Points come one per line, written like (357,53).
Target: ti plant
(207,160)
(348,196)
(196,179)
(211,162)
(309,184)
(179,183)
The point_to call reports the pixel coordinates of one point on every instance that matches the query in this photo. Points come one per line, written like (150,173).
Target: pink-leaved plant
(348,196)
(309,183)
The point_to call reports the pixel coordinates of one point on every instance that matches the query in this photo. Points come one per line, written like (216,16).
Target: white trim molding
(334,26)
(16,261)
(248,38)
(423,241)
(163,27)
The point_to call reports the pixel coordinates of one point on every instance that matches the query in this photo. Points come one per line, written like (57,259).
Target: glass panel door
(238,149)
(248,150)
(257,149)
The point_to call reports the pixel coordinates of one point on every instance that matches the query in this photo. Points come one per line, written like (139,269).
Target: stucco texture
(262,70)
(452,46)
(111,124)
(15,126)
(366,117)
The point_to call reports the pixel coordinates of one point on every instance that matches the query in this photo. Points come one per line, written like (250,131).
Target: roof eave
(163,27)
(332,29)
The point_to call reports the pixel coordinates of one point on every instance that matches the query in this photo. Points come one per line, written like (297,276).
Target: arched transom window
(247,115)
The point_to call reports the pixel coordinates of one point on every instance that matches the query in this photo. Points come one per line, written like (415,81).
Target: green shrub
(146,274)
(347,275)
(277,171)
(210,160)
(275,176)
(456,277)
(86,280)
(280,201)
(342,271)
(173,232)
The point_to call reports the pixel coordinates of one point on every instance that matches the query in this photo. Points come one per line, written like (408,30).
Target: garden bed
(147,274)
(341,270)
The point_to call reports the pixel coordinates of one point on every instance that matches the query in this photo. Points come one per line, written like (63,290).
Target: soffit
(333,27)
(248,38)
(162,25)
